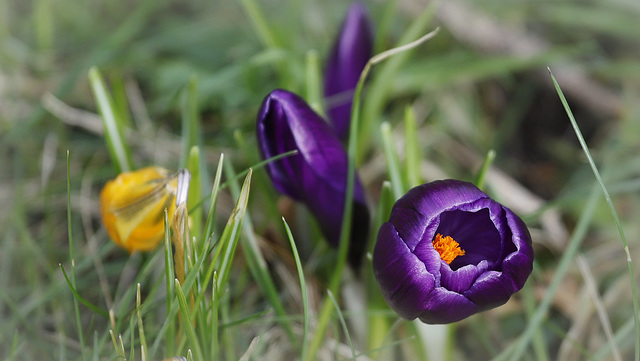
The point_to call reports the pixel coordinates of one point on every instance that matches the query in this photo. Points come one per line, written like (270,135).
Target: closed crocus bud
(351,51)
(449,251)
(317,174)
(133,204)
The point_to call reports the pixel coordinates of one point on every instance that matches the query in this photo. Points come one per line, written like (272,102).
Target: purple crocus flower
(449,251)
(317,175)
(351,51)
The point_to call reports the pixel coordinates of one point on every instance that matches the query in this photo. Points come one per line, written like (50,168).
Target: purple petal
(403,279)
(519,263)
(463,278)
(491,289)
(317,175)
(351,51)
(444,306)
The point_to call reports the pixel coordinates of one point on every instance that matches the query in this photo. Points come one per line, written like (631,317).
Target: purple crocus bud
(351,51)
(317,175)
(449,251)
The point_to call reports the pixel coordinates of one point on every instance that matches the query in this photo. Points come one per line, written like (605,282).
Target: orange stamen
(448,248)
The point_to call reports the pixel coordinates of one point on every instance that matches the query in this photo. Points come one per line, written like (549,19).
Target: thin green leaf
(257,264)
(314,84)
(393,162)
(132,340)
(267,36)
(254,317)
(169,272)
(82,300)
(260,24)
(213,201)
(516,350)
(257,166)
(195,196)
(186,321)
(231,233)
(539,344)
(343,324)
(303,288)
(612,209)
(114,133)
(411,149)
(141,334)
(72,258)
(191,133)
(42,23)
(120,103)
(378,323)
(482,172)
(215,305)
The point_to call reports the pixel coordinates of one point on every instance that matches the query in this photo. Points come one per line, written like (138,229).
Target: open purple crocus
(449,251)
(351,51)
(317,175)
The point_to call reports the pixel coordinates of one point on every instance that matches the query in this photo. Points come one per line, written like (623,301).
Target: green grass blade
(120,102)
(113,126)
(303,288)
(253,317)
(210,224)
(82,300)
(258,266)
(169,272)
(612,209)
(132,340)
(343,324)
(215,305)
(622,335)
(43,19)
(539,344)
(411,149)
(119,348)
(231,233)
(194,197)
(266,34)
(168,329)
(378,326)
(313,82)
(534,322)
(141,334)
(260,24)
(186,322)
(234,177)
(393,163)
(74,284)
(484,168)
(191,132)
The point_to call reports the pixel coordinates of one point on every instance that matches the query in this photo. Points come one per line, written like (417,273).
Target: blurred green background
(481,84)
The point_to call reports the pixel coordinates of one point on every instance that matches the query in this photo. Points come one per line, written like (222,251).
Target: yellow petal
(133,204)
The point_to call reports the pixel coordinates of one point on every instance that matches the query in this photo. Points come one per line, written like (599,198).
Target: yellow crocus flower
(133,204)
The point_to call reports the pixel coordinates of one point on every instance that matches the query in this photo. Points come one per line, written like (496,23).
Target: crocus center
(448,248)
